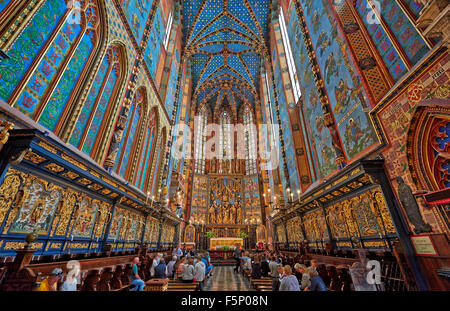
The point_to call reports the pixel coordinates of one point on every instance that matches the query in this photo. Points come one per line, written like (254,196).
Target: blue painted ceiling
(225,39)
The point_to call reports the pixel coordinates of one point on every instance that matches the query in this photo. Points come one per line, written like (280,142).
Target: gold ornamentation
(54,168)
(443,92)
(95,174)
(96,187)
(106,191)
(377,244)
(4,133)
(55,246)
(33,157)
(68,204)
(20,245)
(74,162)
(8,191)
(71,175)
(109,182)
(47,147)
(78,245)
(84,181)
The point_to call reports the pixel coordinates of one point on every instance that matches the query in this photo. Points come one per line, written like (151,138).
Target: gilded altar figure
(219,217)
(37,211)
(225,216)
(233,212)
(212,213)
(214,165)
(239,214)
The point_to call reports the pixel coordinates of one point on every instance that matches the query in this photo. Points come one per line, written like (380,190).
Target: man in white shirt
(199,272)
(154,265)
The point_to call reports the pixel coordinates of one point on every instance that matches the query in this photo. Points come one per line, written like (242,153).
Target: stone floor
(225,279)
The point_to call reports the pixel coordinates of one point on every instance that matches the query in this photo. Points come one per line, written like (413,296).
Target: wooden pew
(175,285)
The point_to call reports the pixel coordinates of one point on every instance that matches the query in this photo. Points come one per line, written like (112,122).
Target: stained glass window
(200,141)
(225,148)
(289,58)
(250,142)
(54,80)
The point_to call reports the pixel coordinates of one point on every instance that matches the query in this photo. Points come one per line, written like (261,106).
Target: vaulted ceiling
(225,39)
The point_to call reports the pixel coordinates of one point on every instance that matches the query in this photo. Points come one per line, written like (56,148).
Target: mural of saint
(37,210)
(323,42)
(316,21)
(331,68)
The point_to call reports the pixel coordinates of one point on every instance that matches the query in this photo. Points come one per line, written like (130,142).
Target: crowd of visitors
(279,268)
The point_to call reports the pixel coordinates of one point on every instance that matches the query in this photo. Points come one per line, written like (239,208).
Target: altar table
(214,242)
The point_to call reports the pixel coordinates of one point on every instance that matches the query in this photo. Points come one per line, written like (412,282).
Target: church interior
(310,136)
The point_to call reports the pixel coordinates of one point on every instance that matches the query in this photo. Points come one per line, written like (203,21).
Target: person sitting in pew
(50,283)
(199,272)
(70,284)
(137,284)
(188,274)
(317,283)
(161,270)
(289,283)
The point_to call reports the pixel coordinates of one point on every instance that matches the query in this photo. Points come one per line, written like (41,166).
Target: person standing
(155,263)
(265,267)
(170,267)
(161,270)
(256,268)
(273,266)
(136,280)
(237,257)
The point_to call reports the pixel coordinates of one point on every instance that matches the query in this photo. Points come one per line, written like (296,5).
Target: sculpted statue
(225,216)
(212,214)
(239,215)
(214,165)
(411,207)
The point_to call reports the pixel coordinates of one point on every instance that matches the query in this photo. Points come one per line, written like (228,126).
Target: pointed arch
(159,161)
(100,105)
(200,123)
(145,154)
(134,126)
(59,65)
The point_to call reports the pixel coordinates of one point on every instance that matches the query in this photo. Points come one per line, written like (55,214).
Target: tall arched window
(225,147)
(146,153)
(54,79)
(200,140)
(42,28)
(250,141)
(134,123)
(102,94)
(159,161)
